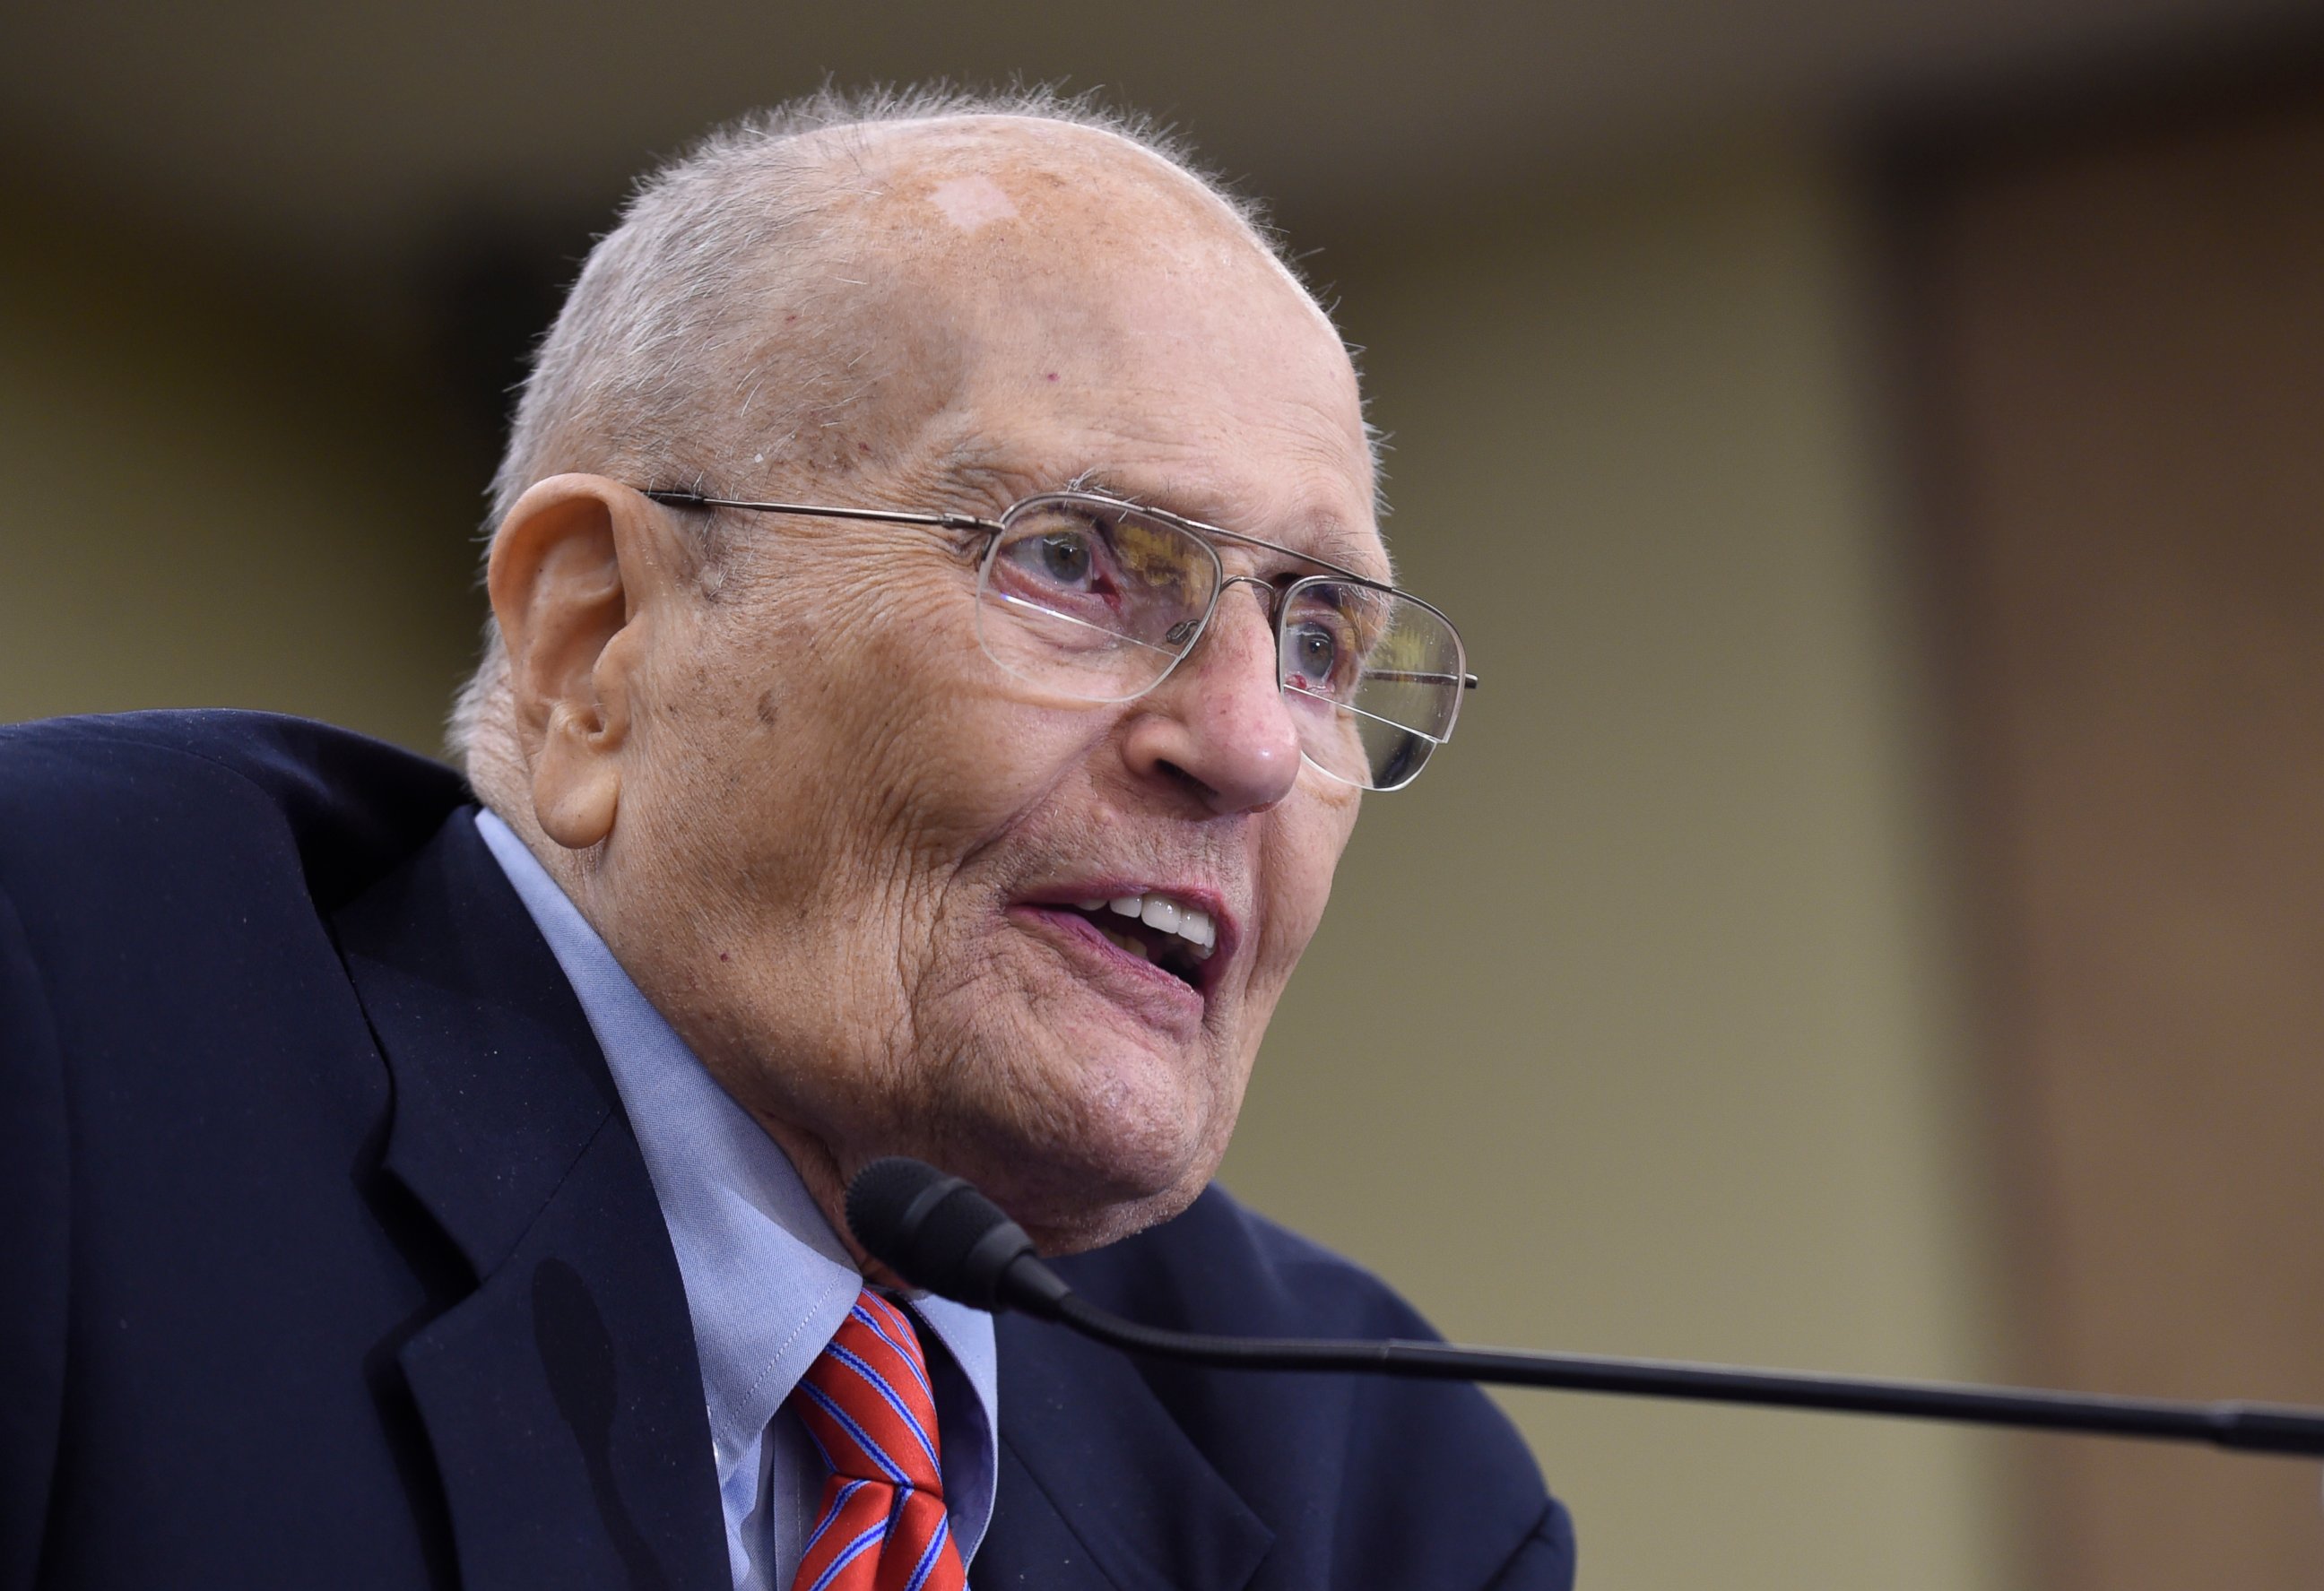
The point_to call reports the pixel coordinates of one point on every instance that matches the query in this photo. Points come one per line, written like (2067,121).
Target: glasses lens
(1091,600)
(1373,678)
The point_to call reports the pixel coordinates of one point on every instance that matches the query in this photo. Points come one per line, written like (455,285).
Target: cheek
(943,748)
(1298,860)
(853,744)
(840,702)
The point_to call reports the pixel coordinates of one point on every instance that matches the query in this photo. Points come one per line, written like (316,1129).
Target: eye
(1064,556)
(1327,640)
(1124,576)
(1312,650)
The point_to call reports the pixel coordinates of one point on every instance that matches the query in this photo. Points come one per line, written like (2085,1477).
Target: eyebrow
(1335,544)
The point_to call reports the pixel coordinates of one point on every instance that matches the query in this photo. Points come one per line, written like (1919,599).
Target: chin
(1115,1172)
(1077,1230)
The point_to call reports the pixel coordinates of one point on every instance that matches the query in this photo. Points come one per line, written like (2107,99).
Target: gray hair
(678,297)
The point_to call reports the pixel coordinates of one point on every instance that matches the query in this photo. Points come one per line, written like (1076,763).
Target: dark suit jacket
(328,1257)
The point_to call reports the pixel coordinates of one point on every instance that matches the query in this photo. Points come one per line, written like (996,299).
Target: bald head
(944,188)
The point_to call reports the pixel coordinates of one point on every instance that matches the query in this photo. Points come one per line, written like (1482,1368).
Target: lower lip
(1161,998)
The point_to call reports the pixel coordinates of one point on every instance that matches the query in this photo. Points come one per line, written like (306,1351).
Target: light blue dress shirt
(767,1280)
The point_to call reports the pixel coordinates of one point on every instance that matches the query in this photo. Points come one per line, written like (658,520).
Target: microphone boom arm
(938,1232)
(2245,1427)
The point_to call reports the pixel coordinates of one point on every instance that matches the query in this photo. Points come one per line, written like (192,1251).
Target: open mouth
(1165,932)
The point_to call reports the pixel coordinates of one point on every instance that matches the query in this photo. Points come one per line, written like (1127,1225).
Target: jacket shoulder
(81,796)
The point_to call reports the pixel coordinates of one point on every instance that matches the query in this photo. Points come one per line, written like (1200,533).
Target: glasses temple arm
(1469,682)
(670,497)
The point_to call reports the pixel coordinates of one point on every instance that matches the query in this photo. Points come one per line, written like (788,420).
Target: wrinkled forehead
(1066,302)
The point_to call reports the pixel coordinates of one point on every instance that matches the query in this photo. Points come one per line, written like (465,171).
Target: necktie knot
(867,1404)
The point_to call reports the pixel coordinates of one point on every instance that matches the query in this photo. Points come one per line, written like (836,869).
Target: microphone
(940,1234)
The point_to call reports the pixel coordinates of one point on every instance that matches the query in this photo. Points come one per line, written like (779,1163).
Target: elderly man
(941,642)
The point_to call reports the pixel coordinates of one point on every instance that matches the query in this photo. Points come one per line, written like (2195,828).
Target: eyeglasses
(1098,599)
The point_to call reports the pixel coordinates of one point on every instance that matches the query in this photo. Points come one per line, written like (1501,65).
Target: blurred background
(1872,919)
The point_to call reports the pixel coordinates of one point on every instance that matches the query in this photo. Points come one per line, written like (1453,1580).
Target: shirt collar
(767,1280)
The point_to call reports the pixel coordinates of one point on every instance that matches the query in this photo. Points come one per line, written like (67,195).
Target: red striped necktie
(867,1404)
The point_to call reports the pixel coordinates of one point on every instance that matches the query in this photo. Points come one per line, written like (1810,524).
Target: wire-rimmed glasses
(1098,599)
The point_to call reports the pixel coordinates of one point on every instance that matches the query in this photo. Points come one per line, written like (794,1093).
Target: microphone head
(936,1231)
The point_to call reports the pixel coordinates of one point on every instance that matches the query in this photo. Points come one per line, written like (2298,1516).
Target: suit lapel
(562,1398)
(1099,1488)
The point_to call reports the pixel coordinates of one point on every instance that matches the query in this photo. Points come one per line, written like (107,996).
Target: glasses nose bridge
(1190,633)
(1271,596)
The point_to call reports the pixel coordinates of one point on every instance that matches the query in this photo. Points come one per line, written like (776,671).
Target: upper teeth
(1189,923)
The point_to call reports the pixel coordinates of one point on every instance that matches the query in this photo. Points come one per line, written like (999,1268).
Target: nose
(1220,724)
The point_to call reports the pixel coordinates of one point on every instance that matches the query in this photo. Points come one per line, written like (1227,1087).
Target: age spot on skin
(973,201)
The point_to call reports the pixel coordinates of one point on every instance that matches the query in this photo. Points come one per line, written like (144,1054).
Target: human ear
(578,570)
